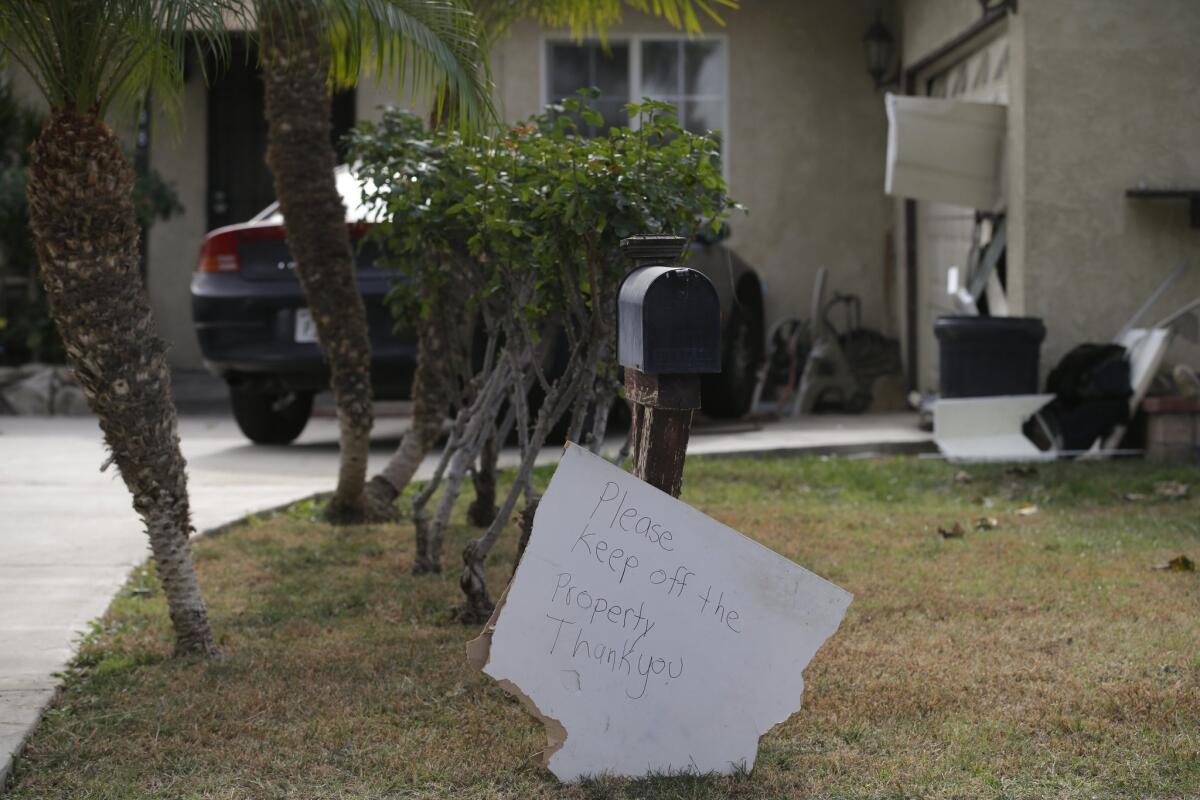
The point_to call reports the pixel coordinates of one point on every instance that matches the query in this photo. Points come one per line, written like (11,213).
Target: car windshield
(349,190)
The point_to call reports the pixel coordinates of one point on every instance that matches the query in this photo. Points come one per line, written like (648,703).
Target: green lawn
(1044,658)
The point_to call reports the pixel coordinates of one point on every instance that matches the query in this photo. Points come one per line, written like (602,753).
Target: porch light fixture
(880,48)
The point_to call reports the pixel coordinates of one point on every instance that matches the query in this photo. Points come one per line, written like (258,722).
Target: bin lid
(963,327)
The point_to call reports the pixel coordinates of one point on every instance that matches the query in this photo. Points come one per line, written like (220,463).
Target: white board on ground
(648,637)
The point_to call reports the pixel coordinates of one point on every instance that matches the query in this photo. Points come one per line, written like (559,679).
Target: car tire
(728,394)
(270,417)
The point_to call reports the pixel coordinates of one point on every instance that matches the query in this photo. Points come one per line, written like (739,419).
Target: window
(688,73)
(691,77)
(573,67)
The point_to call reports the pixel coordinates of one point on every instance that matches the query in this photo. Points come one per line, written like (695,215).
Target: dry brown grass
(1043,659)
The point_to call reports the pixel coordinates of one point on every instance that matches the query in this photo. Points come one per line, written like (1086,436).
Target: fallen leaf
(955,531)
(1134,497)
(962,476)
(1027,510)
(1172,489)
(1177,564)
(987,524)
(1022,471)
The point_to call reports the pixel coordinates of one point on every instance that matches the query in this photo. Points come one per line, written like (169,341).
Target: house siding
(927,25)
(179,152)
(1101,99)
(1110,103)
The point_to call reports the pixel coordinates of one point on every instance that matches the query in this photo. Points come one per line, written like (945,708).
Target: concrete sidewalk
(69,537)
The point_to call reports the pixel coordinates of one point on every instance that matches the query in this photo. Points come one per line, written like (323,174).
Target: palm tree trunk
(444,366)
(430,395)
(302,158)
(86,234)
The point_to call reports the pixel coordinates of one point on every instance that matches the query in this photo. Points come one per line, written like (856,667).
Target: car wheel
(727,394)
(270,417)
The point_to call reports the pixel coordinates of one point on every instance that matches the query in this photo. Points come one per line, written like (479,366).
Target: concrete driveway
(69,537)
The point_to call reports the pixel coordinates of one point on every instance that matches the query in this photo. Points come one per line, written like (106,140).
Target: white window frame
(635,41)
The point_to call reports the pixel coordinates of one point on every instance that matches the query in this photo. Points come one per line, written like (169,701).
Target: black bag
(1091,372)
(1093,386)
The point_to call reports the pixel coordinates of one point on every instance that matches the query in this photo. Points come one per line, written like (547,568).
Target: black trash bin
(988,356)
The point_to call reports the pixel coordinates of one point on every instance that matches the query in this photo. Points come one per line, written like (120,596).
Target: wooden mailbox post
(668,334)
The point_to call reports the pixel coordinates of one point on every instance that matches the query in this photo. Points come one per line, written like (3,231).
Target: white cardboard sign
(648,637)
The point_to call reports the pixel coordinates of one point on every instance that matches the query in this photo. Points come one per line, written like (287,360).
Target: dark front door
(239,183)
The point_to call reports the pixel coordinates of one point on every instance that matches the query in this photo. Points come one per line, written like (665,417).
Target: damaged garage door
(944,231)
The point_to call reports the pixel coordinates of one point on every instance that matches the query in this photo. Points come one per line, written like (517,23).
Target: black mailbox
(668,317)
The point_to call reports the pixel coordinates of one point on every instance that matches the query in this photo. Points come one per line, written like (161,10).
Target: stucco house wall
(926,25)
(178,151)
(1110,103)
(1102,98)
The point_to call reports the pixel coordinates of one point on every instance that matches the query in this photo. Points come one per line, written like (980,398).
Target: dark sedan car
(255,333)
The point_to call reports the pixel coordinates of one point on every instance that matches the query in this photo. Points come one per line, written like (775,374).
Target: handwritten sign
(648,637)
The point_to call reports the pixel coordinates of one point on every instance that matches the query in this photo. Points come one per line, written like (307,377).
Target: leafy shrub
(539,198)
(508,246)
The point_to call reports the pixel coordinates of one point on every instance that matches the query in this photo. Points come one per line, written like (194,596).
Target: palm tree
(308,48)
(588,17)
(85,57)
(496,17)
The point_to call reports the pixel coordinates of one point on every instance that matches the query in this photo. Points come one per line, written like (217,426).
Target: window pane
(704,68)
(660,69)
(702,116)
(612,71)
(568,66)
(573,67)
(613,110)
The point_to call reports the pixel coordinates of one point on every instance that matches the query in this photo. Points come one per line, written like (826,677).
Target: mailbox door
(681,324)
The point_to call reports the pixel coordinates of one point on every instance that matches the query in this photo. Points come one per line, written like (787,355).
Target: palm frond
(87,55)
(432,47)
(595,17)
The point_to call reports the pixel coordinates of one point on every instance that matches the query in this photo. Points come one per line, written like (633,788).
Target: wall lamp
(879,46)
